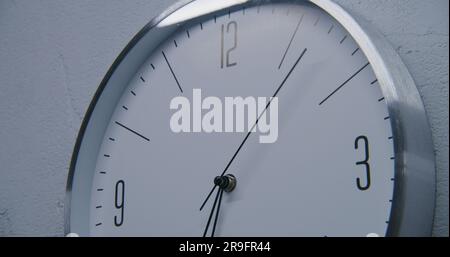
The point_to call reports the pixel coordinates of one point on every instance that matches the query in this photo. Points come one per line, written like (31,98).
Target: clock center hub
(226,182)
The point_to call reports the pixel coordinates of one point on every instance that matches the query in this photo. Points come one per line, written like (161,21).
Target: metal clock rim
(391,74)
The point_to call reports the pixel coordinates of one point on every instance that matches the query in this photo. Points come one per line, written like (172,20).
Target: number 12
(223,55)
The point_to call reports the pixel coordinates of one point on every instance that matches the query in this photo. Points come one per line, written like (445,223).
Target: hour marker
(124,107)
(391,137)
(133,93)
(201,26)
(98,207)
(102,172)
(343,39)
(381,99)
(175,42)
(385,118)
(132,131)
(188,35)
(345,82)
(373,82)
(143,80)
(290,41)
(392,158)
(112,139)
(215,18)
(153,66)
(98,224)
(356,50)
(107,155)
(99,189)
(171,70)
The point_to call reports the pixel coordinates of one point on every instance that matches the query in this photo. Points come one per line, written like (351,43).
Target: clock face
(323,166)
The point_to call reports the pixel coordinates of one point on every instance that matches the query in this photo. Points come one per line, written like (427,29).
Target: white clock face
(329,171)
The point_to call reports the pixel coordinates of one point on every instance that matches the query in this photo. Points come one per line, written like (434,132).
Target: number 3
(365,162)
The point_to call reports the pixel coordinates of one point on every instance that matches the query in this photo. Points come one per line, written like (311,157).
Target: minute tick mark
(317,21)
(331,28)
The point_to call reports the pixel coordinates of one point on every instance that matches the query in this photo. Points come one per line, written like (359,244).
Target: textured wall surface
(53,55)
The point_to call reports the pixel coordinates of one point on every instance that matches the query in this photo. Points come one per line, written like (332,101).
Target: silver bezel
(414,190)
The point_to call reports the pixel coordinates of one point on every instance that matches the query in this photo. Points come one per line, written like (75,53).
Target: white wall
(53,55)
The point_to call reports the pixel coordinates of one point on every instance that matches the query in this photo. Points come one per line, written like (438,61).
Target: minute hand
(256,122)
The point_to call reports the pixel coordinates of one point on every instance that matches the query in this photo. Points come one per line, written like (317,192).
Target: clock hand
(228,165)
(207,197)
(250,131)
(211,213)
(225,183)
(217,212)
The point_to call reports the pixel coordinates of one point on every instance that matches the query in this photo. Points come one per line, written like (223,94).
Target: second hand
(250,131)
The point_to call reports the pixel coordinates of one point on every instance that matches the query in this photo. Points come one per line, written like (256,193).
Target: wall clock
(350,155)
